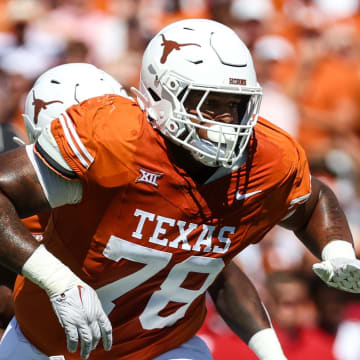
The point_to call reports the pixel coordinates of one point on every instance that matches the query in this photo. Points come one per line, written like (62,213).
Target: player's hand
(81,315)
(340,273)
(75,303)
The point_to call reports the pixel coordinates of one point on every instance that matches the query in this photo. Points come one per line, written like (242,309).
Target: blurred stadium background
(306,54)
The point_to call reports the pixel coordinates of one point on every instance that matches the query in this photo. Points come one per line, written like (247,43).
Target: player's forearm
(21,253)
(17,243)
(21,195)
(326,223)
(322,226)
(238,303)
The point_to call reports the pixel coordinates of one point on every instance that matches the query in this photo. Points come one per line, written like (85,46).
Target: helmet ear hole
(172,126)
(173,84)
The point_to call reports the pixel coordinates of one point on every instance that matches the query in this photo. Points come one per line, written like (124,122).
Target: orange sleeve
(98,138)
(300,178)
(301,185)
(37,223)
(285,169)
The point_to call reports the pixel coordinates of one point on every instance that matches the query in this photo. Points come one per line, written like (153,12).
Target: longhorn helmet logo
(41,105)
(169,46)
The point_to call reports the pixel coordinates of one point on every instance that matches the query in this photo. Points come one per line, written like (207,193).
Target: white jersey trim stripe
(300,199)
(77,138)
(71,143)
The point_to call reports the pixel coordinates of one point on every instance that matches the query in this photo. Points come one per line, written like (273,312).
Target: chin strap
(142,101)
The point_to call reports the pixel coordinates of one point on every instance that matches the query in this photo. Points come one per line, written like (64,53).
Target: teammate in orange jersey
(151,200)
(59,82)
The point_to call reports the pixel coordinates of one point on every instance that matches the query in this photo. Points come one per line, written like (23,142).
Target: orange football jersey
(145,235)
(36,224)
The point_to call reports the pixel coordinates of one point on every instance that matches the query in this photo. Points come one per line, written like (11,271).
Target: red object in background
(306,343)
(352,312)
(222,342)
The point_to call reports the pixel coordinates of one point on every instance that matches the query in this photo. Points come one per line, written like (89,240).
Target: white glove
(340,268)
(340,273)
(75,303)
(81,315)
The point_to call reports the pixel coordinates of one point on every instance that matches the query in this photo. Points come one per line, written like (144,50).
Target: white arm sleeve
(57,190)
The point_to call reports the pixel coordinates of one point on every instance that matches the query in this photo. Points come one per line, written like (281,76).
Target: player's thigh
(14,346)
(194,349)
(6,306)
(7,280)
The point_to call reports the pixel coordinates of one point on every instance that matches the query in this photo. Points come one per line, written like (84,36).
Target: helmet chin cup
(216,134)
(206,147)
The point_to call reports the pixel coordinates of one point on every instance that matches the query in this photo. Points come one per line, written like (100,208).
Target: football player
(69,84)
(59,83)
(152,199)
(55,91)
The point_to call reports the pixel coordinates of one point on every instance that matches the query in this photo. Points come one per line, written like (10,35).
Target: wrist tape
(338,249)
(48,272)
(266,345)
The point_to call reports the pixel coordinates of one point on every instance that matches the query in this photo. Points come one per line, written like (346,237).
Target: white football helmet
(61,87)
(202,55)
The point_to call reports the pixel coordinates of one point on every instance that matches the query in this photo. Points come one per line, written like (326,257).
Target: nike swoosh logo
(240,196)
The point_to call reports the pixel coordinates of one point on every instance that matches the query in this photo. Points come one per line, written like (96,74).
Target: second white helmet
(61,87)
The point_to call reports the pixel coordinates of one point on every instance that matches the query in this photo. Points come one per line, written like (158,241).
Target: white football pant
(14,346)
(194,349)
